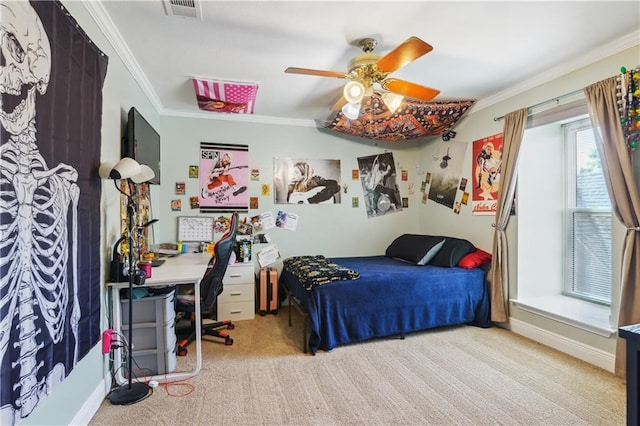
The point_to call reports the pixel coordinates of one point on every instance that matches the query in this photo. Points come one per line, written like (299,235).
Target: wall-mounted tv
(142,143)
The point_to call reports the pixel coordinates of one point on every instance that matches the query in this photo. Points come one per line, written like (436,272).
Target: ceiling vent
(187,8)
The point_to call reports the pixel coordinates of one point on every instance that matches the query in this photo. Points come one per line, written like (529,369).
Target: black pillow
(415,249)
(451,252)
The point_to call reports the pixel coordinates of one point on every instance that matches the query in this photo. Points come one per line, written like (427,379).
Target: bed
(386,295)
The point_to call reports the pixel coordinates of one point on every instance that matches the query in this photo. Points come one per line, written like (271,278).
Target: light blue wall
(337,230)
(332,230)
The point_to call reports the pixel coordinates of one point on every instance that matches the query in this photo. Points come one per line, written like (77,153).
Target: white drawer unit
(237,300)
(154,333)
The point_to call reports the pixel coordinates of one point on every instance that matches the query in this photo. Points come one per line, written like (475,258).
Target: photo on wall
(378,178)
(447,170)
(306,181)
(223,177)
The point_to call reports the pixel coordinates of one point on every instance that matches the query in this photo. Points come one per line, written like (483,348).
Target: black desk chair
(210,288)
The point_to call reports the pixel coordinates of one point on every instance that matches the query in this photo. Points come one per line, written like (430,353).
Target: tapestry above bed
(317,270)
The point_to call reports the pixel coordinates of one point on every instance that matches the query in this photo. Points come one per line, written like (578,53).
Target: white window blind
(588,214)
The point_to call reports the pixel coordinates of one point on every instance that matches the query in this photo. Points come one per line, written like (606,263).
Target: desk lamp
(128,168)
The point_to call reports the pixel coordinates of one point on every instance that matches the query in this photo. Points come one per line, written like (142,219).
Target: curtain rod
(556,99)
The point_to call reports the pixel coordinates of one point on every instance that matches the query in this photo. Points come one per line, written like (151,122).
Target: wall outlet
(107,337)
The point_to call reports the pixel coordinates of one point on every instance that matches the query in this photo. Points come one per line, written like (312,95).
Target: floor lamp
(128,168)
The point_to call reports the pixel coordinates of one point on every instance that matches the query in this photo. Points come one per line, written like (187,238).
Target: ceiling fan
(369,68)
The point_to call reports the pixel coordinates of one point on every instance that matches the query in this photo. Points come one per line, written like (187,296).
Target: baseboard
(92,404)
(595,356)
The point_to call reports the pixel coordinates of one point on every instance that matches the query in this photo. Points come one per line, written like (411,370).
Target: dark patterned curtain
(52,77)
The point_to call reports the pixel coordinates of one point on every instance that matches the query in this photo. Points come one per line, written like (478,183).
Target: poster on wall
(223,177)
(50,271)
(379,184)
(486,168)
(446,172)
(306,181)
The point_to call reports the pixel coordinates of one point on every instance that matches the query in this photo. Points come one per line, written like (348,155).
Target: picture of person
(487,170)
(378,177)
(219,174)
(307,188)
(302,181)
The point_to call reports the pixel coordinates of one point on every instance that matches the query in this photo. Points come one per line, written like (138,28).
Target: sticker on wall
(176,205)
(265,189)
(405,175)
(456,208)
(405,202)
(424,198)
(355,174)
(255,174)
(463,184)
(355,202)
(193,172)
(253,203)
(194,202)
(465,198)
(180,188)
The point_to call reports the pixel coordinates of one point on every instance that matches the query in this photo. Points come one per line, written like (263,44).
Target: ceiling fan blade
(410,50)
(339,103)
(321,73)
(408,89)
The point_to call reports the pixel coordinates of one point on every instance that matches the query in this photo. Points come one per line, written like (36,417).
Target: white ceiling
(480,49)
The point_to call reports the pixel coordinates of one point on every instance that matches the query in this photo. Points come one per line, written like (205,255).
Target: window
(587,218)
(565,225)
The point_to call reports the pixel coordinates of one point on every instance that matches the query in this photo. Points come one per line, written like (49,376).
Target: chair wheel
(228,342)
(231,326)
(182,351)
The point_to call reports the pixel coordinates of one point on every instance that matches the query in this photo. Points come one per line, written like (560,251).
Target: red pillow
(474,259)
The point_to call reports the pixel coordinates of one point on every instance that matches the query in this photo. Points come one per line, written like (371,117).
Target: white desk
(183,269)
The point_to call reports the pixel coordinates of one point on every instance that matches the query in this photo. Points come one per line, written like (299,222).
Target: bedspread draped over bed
(390,298)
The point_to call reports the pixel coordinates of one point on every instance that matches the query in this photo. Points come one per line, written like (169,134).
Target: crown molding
(575,64)
(245,118)
(110,31)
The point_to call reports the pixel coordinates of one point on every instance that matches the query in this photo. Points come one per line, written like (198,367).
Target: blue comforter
(390,297)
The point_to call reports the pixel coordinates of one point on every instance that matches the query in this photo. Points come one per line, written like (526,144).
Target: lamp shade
(145,174)
(351,111)
(125,168)
(353,92)
(105,170)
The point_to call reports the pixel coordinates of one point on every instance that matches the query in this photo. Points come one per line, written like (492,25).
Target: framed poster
(223,177)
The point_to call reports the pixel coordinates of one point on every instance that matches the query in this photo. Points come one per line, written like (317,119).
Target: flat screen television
(142,143)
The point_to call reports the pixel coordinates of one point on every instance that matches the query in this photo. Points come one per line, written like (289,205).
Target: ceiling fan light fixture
(354,92)
(351,110)
(392,101)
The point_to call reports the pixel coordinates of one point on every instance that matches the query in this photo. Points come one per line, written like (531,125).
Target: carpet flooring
(450,376)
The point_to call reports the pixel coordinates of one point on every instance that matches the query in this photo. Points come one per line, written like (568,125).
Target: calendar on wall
(195,228)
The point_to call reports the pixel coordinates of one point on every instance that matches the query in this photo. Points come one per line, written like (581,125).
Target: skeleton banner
(51,78)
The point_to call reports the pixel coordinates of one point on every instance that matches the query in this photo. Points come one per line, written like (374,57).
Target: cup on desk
(145,266)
